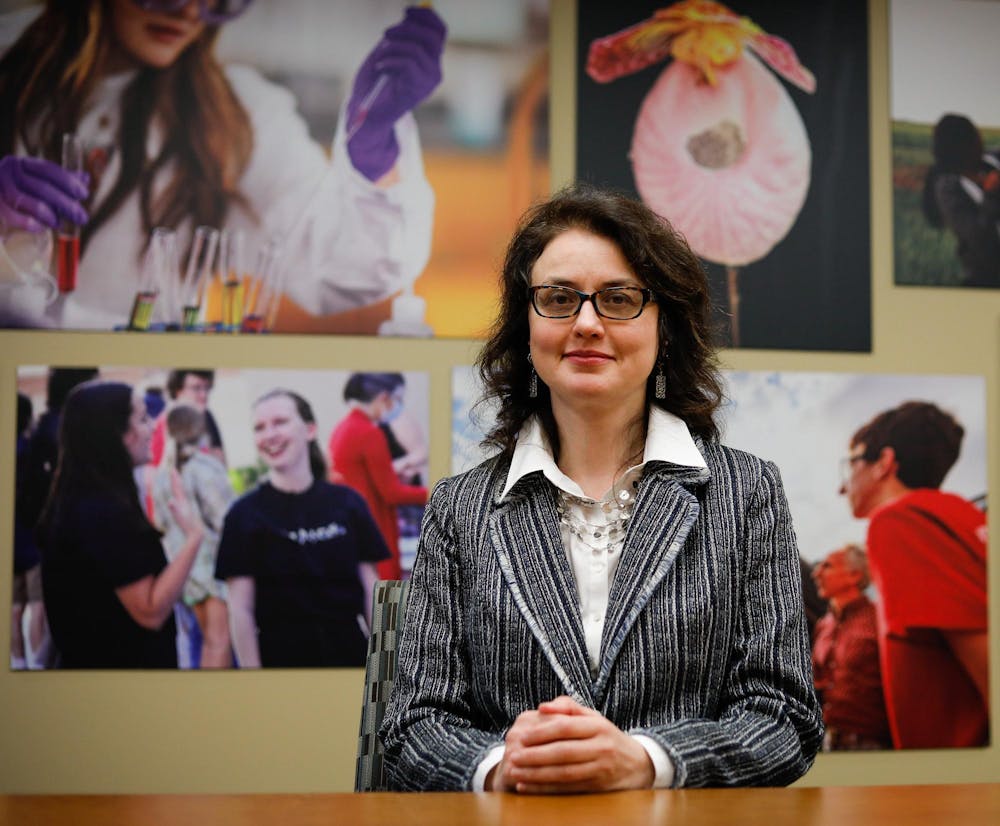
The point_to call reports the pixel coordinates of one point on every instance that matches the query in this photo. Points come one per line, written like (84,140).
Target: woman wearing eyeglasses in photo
(613,601)
(172,138)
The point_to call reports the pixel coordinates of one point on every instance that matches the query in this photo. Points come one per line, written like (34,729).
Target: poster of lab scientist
(945,142)
(253,165)
(746,126)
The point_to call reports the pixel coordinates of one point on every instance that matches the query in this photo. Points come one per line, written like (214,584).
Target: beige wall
(296,731)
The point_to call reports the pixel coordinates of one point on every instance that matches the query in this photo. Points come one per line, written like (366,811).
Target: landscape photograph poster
(945,143)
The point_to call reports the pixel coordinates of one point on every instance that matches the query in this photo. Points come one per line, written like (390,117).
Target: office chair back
(388,608)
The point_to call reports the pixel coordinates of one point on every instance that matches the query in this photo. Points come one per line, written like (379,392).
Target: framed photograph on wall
(747,128)
(316,167)
(200,518)
(886,480)
(945,143)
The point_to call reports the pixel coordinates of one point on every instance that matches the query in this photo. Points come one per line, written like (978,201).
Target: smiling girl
(297,553)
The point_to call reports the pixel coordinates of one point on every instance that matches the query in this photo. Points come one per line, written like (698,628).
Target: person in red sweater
(360,456)
(845,655)
(927,551)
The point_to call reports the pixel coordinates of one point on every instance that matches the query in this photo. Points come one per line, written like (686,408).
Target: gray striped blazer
(705,647)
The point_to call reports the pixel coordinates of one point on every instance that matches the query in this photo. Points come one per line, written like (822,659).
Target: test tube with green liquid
(162,250)
(199,271)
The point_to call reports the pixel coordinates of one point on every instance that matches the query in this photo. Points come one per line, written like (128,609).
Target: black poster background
(813,290)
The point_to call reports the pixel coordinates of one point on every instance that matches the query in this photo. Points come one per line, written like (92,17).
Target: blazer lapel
(524,530)
(665,511)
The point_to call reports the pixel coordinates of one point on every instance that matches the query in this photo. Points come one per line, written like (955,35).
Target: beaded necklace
(608,535)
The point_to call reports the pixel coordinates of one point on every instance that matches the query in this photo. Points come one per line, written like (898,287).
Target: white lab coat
(346,243)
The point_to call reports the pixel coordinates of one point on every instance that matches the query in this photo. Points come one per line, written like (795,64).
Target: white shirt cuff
(662,764)
(493,756)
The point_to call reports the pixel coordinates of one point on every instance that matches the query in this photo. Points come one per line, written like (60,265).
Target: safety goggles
(213,12)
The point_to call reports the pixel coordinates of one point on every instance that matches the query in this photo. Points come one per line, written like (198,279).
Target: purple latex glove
(400,72)
(35,194)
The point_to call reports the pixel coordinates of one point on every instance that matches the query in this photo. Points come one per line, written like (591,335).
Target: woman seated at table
(613,601)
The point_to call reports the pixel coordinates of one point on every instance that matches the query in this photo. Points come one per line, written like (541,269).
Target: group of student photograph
(134,550)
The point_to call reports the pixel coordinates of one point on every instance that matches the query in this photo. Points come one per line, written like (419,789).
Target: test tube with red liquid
(68,236)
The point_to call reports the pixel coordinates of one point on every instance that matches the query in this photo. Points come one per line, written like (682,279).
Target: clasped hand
(564,747)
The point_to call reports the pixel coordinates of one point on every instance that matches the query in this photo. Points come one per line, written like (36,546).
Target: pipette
(361,113)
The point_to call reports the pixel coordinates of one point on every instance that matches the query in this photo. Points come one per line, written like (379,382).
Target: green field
(923,255)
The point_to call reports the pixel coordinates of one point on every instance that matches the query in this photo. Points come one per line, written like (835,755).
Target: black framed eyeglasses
(213,12)
(847,466)
(619,303)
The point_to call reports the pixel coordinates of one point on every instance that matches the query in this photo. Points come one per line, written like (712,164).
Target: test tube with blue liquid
(263,293)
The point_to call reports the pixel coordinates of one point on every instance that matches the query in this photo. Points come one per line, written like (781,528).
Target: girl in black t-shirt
(297,553)
(109,590)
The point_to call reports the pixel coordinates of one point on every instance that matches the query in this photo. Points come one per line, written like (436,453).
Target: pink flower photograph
(745,126)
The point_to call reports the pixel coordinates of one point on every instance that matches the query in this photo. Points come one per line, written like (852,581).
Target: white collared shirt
(594,559)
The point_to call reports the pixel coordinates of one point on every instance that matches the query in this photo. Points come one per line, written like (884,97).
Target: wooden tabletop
(969,805)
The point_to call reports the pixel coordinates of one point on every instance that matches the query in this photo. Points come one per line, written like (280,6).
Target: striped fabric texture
(389,605)
(704,649)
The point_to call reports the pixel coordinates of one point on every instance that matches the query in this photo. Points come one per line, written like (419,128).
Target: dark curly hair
(660,259)
(176,379)
(364,387)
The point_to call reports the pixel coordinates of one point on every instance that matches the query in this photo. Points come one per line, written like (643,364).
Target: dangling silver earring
(533,381)
(660,385)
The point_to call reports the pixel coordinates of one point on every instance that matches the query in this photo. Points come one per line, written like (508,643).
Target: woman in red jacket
(360,456)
